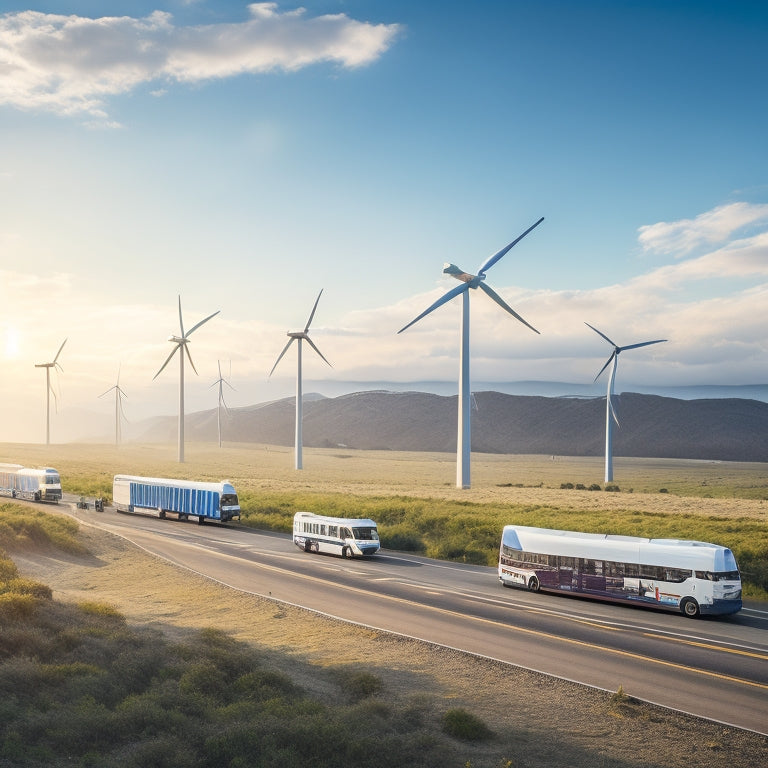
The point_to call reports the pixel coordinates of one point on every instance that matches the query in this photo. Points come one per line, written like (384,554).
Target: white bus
(206,501)
(34,484)
(692,577)
(343,536)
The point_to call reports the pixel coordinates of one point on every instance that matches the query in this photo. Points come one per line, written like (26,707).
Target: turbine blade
(610,360)
(613,411)
(189,357)
(442,300)
(600,333)
(59,352)
(642,344)
(488,263)
(312,344)
(167,360)
(280,356)
(181,320)
(195,327)
(503,304)
(107,392)
(312,313)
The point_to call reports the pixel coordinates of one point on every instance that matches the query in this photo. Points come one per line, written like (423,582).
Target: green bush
(360,685)
(465,726)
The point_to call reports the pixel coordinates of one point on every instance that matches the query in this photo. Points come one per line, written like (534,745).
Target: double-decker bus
(19,482)
(348,537)
(206,501)
(692,577)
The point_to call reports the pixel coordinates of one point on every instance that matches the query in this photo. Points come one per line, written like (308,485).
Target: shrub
(465,726)
(566,486)
(22,586)
(594,487)
(360,685)
(16,606)
(612,488)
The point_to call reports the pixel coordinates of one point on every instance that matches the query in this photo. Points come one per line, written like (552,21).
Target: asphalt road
(715,668)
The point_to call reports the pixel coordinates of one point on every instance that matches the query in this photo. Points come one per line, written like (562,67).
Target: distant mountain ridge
(652,426)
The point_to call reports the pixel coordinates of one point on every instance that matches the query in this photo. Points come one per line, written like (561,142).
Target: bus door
(568,576)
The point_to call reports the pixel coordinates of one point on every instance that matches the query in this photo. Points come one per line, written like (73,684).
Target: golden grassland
(666,486)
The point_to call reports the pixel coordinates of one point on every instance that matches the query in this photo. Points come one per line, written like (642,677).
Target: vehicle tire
(690,608)
(161,514)
(533,584)
(346,553)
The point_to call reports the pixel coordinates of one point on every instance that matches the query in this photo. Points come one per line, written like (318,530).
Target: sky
(245,157)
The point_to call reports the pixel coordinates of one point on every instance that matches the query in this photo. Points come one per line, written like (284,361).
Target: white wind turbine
(221,381)
(463,441)
(119,413)
(610,413)
(49,390)
(300,336)
(181,342)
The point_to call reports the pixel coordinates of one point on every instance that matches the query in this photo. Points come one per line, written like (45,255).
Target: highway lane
(714,668)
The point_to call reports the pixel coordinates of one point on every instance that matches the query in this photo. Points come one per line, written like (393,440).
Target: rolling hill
(650,425)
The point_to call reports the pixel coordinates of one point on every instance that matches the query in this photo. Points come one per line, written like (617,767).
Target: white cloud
(710,228)
(70,64)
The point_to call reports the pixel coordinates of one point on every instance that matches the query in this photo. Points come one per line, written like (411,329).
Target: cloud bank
(71,64)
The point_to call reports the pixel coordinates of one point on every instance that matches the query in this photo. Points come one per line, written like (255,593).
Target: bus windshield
(365,534)
(229,500)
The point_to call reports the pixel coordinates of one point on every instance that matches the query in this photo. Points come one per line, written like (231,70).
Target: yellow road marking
(710,646)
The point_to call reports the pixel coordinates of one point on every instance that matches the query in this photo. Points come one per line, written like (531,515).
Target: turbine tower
(119,414)
(463,441)
(181,341)
(221,381)
(300,336)
(48,390)
(610,413)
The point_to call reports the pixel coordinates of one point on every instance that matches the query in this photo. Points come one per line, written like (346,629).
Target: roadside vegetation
(78,686)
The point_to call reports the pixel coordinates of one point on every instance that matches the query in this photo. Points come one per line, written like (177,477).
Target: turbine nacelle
(460,274)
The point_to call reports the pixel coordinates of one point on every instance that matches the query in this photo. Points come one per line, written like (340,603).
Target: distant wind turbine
(221,381)
(119,413)
(48,390)
(610,413)
(300,336)
(180,343)
(463,442)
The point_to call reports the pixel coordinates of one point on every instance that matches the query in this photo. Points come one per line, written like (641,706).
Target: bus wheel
(690,608)
(533,584)
(346,552)
(161,514)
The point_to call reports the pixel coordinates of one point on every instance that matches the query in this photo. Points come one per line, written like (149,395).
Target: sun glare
(11,343)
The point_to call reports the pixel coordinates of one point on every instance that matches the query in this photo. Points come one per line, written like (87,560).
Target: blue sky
(246,156)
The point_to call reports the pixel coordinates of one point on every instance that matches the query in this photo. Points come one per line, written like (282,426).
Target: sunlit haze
(245,156)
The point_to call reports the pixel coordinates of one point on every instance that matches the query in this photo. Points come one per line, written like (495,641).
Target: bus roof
(352,522)
(224,486)
(604,546)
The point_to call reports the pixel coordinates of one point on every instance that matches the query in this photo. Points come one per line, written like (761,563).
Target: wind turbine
(221,381)
(300,336)
(180,343)
(48,390)
(119,395)
(463,441)
(610,413)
